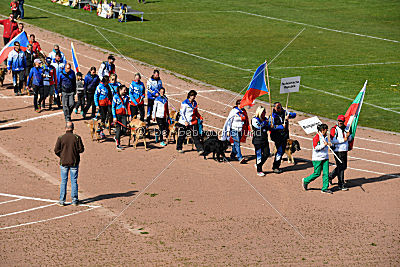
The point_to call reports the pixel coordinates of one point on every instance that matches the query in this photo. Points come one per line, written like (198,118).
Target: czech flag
(74,58)
(22,38)
(256,88)
(353,113)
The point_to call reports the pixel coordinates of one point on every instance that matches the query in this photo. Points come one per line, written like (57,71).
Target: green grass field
(244,41)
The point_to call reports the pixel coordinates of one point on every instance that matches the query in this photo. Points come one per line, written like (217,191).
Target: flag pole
(287,102)
(320,135)
(269,93)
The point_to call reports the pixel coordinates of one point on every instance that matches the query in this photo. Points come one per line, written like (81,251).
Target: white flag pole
(320,135)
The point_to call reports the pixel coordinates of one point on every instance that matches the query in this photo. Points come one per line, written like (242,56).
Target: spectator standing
(320,159)
(107,67)
(17,31)
(340,141)
(136,95)
(188,122)
(9,26)
(16,64)
(161,116)
(90,84)
(280,133)
(261,126)
(49,81)
(54,52)
(21,9)
(36,79)
(67,87)
(14,8)
(68,148)
(154,84)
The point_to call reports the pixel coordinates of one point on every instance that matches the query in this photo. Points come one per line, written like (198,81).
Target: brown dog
(94,126)
(291,147)
(172,126)
(138,130)
(3,72)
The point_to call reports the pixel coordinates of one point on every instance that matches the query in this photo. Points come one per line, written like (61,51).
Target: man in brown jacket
(68,148)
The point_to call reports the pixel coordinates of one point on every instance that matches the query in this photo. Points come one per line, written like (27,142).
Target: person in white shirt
(161,115)
(320,159)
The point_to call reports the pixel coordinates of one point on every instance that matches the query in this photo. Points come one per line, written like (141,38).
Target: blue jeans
(21,8)
(236,136)
(74,183)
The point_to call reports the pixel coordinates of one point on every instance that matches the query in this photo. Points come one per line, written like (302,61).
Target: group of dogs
(137,130)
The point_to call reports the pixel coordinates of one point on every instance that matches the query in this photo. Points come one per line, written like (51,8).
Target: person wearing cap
(67,87)
(49,82)
(107,67)
(54,52)
(16,64)
(340,139)
(36,79)
(68,148)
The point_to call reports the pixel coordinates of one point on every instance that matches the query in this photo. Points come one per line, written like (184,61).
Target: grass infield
(244,41)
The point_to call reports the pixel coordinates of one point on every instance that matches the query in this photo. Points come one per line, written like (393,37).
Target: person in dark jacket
(29,63)
(280,133)
(90,84)
(36,79)
(67,148)
(260,126)
(67,87)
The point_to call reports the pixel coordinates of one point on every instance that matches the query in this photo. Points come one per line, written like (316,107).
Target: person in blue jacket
(154,84)
(36,78)
(67,88)
(90,84)
(136,95)
(102,100)
(280,133)
(16,64)
(120,111)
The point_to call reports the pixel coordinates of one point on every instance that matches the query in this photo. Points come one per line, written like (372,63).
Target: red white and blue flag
(257,87)
(74,58)
(22,38)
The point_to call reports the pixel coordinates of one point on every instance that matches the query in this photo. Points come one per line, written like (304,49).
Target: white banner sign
(310,125)
(290,85)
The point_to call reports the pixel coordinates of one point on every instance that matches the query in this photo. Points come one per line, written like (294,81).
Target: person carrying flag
(234,127)
(9,26)
(136,95)
(340,139)
(280,133)
(120,112)
(16,64)
(320,159)
(17,31)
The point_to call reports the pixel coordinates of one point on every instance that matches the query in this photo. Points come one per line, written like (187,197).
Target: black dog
(217,147)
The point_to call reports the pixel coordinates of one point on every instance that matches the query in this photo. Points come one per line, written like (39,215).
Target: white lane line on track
(46,220)
(8,201)
(339,65)
(204,58)
(43,199)
(319,27)
(28,210)
(31,119)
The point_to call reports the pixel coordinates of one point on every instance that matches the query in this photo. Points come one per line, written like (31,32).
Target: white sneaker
(260,174)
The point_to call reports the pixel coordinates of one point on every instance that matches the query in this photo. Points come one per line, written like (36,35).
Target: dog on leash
(3,72)
(291,147)
(173,131)
(215,146)
(94,126)
(138,131)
